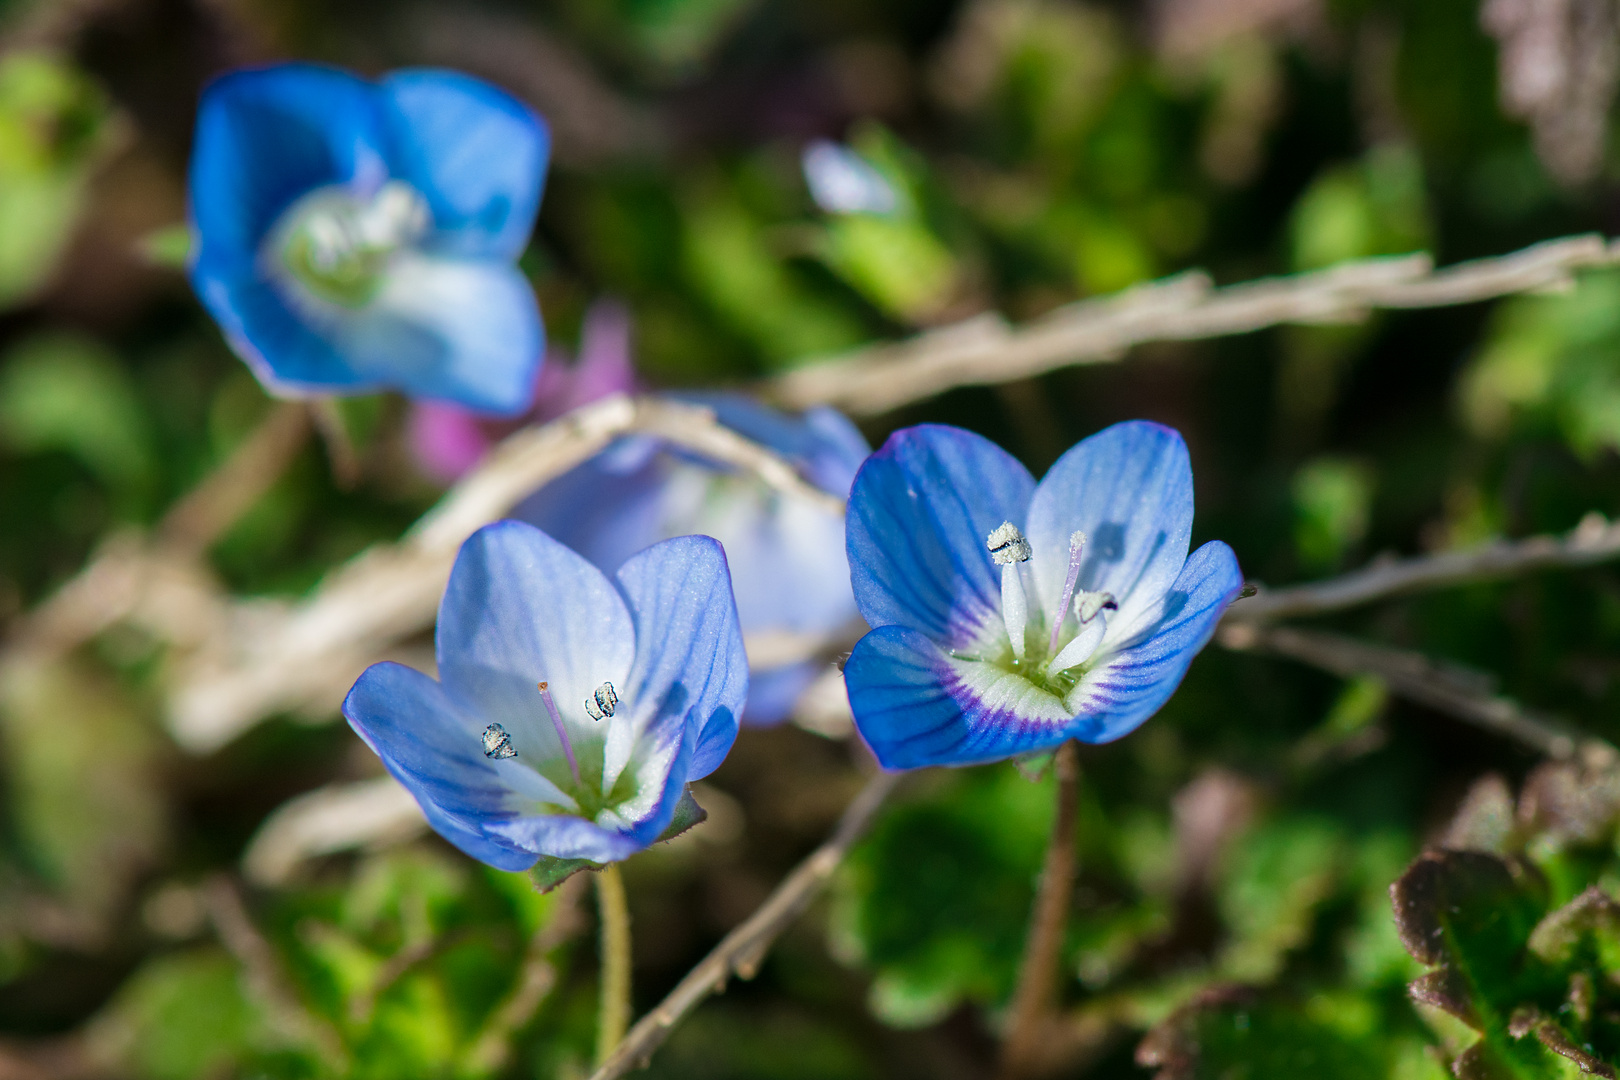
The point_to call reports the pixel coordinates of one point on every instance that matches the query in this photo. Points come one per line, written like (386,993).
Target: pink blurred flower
(447,440)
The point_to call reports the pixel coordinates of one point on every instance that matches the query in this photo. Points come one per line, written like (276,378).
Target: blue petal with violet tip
(431,745)
(915,705)
(690,667)
(267,136)
(521,608)
(1129,487)
(919,513)
(1120,693)
(476,153)
(451,329)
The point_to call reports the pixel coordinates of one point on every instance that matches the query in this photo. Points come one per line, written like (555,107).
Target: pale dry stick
(159,581)
(1448,688)
(1034,1001)
(266,980)
(743,950)
(277,660)
(492,1048)
(985,349)
(1594,540)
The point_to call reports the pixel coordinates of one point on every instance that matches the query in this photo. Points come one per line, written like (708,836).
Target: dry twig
(744,949)
(270,659)
(1452,689)
(1594,540)
(985,349)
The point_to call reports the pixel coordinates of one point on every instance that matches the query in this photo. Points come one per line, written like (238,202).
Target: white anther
(497,743)
(602,703)
(396,215)
(1088,605)
(1007,545)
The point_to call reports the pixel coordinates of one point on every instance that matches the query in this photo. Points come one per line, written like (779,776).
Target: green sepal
(687,814)
(551,871)
(1034,767)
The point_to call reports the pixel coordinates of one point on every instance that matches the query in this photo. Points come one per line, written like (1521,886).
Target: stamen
(1087,605)
(1081,649)
(602,703)
(562,732)
(1007,545)
(1077,548)
(1009,548)
(497,743)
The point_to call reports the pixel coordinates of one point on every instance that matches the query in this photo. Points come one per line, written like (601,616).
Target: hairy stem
(613,1015)
(1035,997)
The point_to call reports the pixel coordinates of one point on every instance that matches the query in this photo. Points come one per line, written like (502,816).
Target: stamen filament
(1079,650)
(1014,607)
(562,732)
(1008,548)
(1077,548)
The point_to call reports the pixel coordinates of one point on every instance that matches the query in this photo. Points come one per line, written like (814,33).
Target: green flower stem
(1034,999)
(613,1016)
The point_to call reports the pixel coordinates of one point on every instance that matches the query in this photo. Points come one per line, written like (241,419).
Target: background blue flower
(520,610)
(1080,623)
(788,565)
(352,235)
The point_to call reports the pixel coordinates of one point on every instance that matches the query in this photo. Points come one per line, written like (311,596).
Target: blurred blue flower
(788,567)
(1011,616)
(351,235)
(571,710)
(843,182)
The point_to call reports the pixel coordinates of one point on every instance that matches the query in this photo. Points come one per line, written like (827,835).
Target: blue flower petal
(1129,488)
(919,513)
(521,608)
(431,745)
(267,136)
(450,329)
(690,668)
(565,837)
(286,355)
(607,509)
(476,154)
(1116,696)
(495,850)
(914,705)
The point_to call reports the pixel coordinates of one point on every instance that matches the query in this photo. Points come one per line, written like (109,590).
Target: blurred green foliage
(1231,916)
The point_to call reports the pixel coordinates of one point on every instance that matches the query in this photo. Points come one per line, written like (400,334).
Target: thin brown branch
(1448,688)
(1034,1002)
(985,349)
(275,659)
(267,981)
(744,949)
(1594,540)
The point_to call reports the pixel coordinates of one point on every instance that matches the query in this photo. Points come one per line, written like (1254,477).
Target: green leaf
(181,1016)
(68,392)
(1232,1033)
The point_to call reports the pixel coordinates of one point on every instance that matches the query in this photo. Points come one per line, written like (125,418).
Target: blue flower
(788,566)
(1011,616)
(351,235)
(571,710)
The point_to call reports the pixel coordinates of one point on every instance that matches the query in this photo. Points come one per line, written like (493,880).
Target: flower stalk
(1036,995)
(613,1014)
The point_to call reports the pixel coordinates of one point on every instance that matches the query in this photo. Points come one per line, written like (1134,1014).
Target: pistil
(562,732)
(1009,549)
(1077,548)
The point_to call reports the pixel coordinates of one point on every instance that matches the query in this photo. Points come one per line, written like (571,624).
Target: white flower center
(1010,550)
(336,244)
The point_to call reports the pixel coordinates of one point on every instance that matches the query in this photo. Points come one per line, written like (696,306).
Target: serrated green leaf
(550,872)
